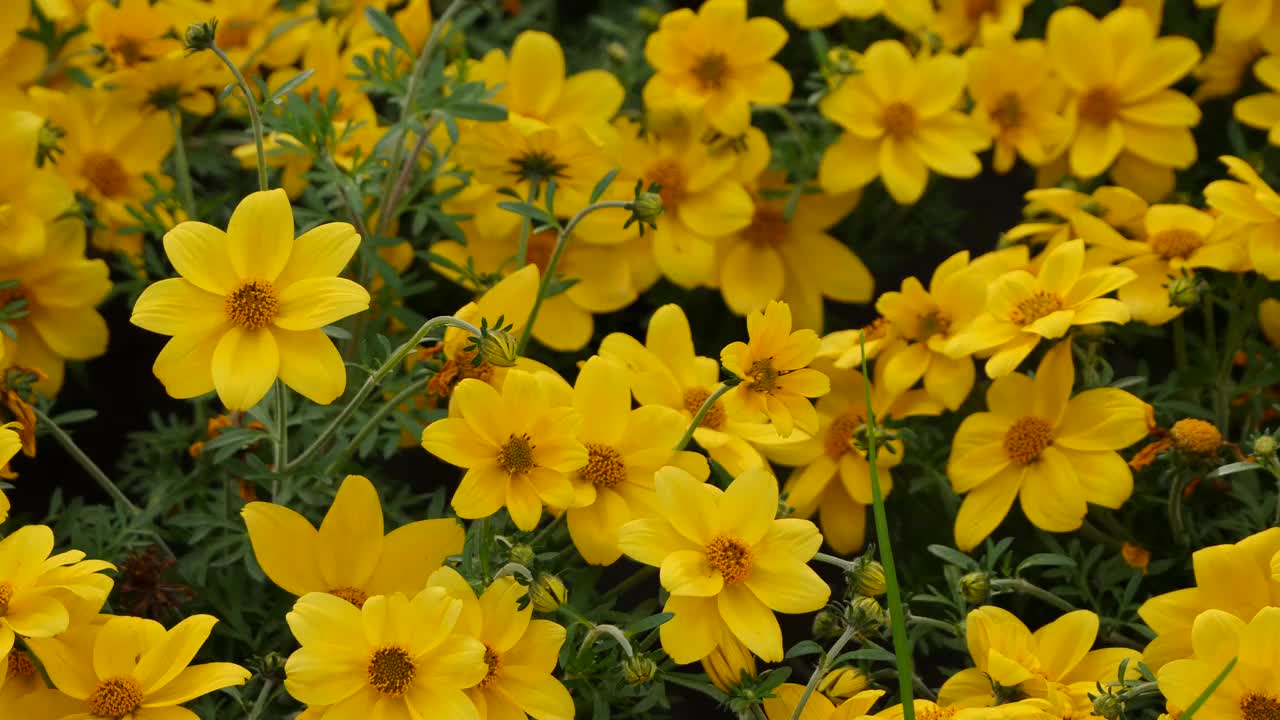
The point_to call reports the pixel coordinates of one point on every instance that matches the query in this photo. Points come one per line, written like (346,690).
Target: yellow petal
(185,364)
(1061,644)
(175,306)
(1051,495)
(412,552)
(311,365)
(651,540)
(260,235)
(689,505)
(322,251)
(244,364)
(315,302)
(199,253)
(602,395)
(794,589)
(164,662)
(985,507)
(1102,419)
(195,681)
(751,622)
(539,648)
(350,538)
(693,632)
(687,572)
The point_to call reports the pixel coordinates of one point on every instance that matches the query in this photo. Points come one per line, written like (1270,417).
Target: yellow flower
(625,448)
(787,696)
(30,198)
(1239,20)
(1224,68)
(176,81)
(1054,663)
(1052,215)
(1236,579)
(1251,209)
(400,656)
(1022,308)
(773,368)
(832,476)
(1123,105)
(503,155)
(1251,690)
(38,590)
(1017,101)
(900,122)
(845,347)
(968,22)
(926,320)
(348,556)
(133,32)
(910,15)
(19,679)
(519,447)
(1262,111)
(520,653)
(667,371)
(727,563)
(335,71)
(1038,443)
(61,288)
(716,62)
(928,710)
(129,667)
(10,444)
(250,305)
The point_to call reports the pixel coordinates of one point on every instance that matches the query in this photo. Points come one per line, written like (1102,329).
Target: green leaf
(874,653)
(598,191)
(1045,560)
(481,111)
(649,623)
(386,27)
(1233,468)
(292,83)
(953,556)
(803,648)
(524,209)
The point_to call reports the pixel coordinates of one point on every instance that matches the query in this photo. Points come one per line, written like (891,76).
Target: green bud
(648,206)
(1264,445)
(639,670)
(1108,706)
(866,577)
(548,593)
(617,52)
(1184,291)
(48,143)
(199,35)
(523,555)
(866,615)
(827,625)
(497,347)
(976,587)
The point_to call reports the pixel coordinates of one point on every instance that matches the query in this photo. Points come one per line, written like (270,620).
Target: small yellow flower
(1249,208)
(716,62)
(727,562)
(175,81)
(1017,101)
(132,33)
(250,304)
(1223,70)
(843,683)
(773,366)
(910,15)
(900,121)
(519,447)
(348,556)
(1037,443)
(1240,20)
(786,697)
(1251,690)
(968,22)
(1023,308)
(1052,215)
(31,198)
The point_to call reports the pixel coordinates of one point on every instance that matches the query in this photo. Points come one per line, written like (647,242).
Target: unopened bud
(548,593)
(617,52)
(522,554)
(841,63)
(1264,445)
(496,347)
(976,587)
(648,206)
(866,577)
(726,664)
(48,143)
(866,615)
(639,670)
(648,16)
(1184,291)
(827,625)
(843,683)
(1108,706)
(199,35)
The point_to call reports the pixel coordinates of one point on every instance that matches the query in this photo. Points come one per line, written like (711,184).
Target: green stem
(1018,585)
(388,209)
(282,425)
(833,560)
(526,224)
(85,462)
(264,698)
(181,167)
(486,537)
(933,623)
(703,409)
(823,666)
(371,424)
(376,378)
(255,118)
(549,274)
(1208,691)
(1179,344)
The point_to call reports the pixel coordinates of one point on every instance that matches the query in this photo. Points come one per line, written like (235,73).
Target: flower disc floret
(605,467)
(1256,706)
(353,595)
(516,456)
(694,397)
(1196,436)
(730,557)
(1027,438)
(391,670)
(253,305)
(115,697)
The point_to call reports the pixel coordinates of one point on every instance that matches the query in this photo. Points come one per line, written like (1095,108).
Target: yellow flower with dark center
(773,368)
(1037,443)
(970,22)
(1053,667)
(1250,210)
(727,562)
(1022,308)
(1017,101)
(133,32)
(250,304)
(786,697)
(348,556)
(130,668)
(845,348)
(335,71)
(175,81)
(1251,690)
(1119,73)
(625,448)
(910,15)
(399,655)
(900,122)
(1237,579)
(10,445)
(519,446)
(31,198)
(716,62)
(19,679)
(1053,216)
(520,653)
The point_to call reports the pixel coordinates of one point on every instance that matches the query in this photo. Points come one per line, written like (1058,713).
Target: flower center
(1007,112)
(253,305)
(1254,706)
(20,666)
(494,661)
(937,712)
(1027,438)
(1175,243)
(975,9)
(839,438)
(1099,106)
(1196,436)
(932,323)
(1035,307)
(128,50)
(537,167)
(355,596)
(763,376)
(711,70)
(668,175)
(730,557)
(6,594)
(768,228)
(105,174)
(693,399)
(391,670)
(899,120)
(517,455)
(604,466)
(115,698)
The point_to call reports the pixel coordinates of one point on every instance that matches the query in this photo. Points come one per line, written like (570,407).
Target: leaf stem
(264,697)
(85,462)
(371,424)
(282,425)
(1018,585)
(255,118)
(181,167)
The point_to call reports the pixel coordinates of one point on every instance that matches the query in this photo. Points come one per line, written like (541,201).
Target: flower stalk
(705,408)
(255,118)
(86,462)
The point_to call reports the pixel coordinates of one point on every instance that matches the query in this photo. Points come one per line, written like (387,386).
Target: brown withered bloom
(143,587)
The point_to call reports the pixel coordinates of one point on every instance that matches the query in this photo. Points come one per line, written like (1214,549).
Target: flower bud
(1108,706)
(639,670)
(725,665)
(1184,291)
(827,625)
(48,143)
(1264,445)
(866,615)
(648,206)
(866,577)
(522,554)
(843,683)
(548,593)
(496,347)
(199,35)
(976,587)
(617,52)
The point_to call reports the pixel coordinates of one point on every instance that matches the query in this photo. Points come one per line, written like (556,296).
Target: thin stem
(698,417)
(526,225)
(264,698)
(1024,587)
(376,378)
(85,462)
(371,424)
(388,209)
(282,425)
(181,167)
(254,118)
(486,537)
(933,623)
(833,560)
(823,666)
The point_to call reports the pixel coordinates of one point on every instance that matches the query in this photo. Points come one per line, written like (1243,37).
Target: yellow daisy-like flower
(716,62)
(19,679)
(398,656)
(1262,111)
(1237,579)
(1038,443)
(10,445)
(30,198)
(1052,215)
(782,705)
(845,348)
(1240,20)
(727,562)
(667,371)
(250,305)
(348,556)
(519,447)
(1223,70)
(335,71)
(1119,72)
(129,668)
(967,22)
(625,448)
(132,32)
(910,15)
(1251,690)
(520,653)
(1249,209)
(773,367)
(1054,663)
(1022,308)
(1017,101)
(900,122)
